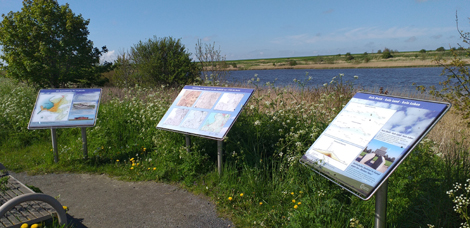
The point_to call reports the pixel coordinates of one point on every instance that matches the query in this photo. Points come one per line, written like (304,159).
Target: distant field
(364,60)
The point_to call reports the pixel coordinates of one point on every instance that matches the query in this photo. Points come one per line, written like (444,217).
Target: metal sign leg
(84,143)
(54,145)
(188,143)
(219,156)
(381,206)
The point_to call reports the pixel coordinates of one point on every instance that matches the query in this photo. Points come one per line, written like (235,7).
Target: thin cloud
(362,33)
(411,39)
(328,11)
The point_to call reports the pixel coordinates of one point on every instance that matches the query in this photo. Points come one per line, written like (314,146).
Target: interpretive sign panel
(205,111)
(369,138)
(56,108)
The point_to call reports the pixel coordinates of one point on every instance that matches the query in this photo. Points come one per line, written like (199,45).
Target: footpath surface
(100,201)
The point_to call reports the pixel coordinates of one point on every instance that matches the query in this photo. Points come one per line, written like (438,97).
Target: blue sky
(269,29)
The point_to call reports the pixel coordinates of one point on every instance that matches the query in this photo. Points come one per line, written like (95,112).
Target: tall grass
(262,183)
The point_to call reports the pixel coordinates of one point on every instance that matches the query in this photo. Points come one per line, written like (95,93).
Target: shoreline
(393,63)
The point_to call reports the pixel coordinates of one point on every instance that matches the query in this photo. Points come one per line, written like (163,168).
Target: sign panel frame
(65,108)
(370,138)
(205,111)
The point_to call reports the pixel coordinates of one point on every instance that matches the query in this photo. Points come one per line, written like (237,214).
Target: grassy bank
(364,60)
(262,182)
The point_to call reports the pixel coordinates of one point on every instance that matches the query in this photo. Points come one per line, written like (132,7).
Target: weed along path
(100,201)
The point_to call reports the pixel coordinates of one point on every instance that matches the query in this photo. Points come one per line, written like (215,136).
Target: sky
(273,29)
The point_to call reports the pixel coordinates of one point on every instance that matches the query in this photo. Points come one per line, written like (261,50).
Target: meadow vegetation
(262,183)
(382,58)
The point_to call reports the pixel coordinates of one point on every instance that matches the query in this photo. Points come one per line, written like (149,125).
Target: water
(388,78)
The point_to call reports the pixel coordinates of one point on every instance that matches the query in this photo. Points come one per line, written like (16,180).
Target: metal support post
(54,145)
(381,206)
(219,156)
(188,143)
(84,143)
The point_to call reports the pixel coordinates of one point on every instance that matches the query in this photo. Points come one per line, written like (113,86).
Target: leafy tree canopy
(163,61)
(440,49)
(46,44)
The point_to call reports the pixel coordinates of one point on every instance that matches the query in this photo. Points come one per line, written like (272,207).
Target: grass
(262,183)
(369,60)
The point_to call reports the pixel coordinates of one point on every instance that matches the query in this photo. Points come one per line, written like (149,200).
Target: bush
(455,89)
(292,62)
(158,61)
(440,49)
(422,51)
(349,57)
(386,55)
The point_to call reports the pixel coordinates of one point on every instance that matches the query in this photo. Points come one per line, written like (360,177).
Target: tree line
(46,45)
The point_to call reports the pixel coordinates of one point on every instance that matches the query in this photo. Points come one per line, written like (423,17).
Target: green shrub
(157,61)
(348,56)
(292,63)
(386,54)
(440,49)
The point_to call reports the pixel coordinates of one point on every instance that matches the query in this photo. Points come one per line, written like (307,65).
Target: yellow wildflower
(295,207)
(301,192)
(292,193)
(241,194)
(132,167)
(230,198)
(144,149)
(133,164)
(299,203)
(65,208)
(25,225)
(260,203)
(117,160)
(154,168)
(34,226)
(132,159)
(293,201)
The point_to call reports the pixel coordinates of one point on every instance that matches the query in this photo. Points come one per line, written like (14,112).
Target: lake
(389,78)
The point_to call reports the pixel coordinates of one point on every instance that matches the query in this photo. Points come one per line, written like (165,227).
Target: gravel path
(100,201)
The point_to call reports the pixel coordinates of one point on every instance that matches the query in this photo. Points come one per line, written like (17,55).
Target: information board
(56,108)
(205,111)
(369,138)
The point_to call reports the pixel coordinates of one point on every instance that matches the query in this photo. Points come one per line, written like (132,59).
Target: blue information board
(58,108)
(205,111)
(369,138)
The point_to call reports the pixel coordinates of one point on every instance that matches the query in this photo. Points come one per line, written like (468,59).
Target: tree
(440,49)
(211,60)
(422,51)
(348,56)
(157,61)
(46,44)
(386,54)
(456,88)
